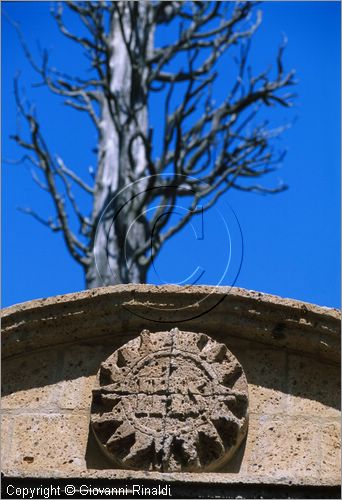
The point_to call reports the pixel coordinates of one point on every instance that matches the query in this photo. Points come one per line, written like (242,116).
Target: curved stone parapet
(219,311)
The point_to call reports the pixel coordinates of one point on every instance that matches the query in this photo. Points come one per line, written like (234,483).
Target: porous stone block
(284,447)
(6,438)
(27,381)
(49,442)
(265,371)
(79,367)
(313,387)
(331,450)
(75,394)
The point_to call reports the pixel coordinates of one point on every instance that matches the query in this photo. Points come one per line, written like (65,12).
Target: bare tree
(206,148)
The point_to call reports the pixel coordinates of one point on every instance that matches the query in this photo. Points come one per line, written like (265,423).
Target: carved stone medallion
(170,401)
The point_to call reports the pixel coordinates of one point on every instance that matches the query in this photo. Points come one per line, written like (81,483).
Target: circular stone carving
(170,401)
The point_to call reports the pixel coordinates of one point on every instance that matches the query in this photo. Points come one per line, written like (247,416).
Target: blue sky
(291,241)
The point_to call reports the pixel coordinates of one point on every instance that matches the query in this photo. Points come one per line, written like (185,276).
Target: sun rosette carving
(170,401)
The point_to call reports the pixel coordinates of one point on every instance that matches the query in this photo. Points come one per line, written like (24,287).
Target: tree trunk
(121,155)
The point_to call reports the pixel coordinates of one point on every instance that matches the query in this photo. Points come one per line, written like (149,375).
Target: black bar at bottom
(35,488)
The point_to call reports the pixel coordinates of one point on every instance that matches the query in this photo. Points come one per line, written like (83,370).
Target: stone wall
(52,350)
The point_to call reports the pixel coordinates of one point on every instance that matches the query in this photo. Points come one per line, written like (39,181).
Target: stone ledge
(94,314)
(175,477)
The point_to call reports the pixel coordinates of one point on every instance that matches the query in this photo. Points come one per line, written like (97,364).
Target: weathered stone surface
(285,445)
(171,401)
(49,441)
(313,387)
(331,449)
(79,367)
(6,438)
(26,381)
(265,370)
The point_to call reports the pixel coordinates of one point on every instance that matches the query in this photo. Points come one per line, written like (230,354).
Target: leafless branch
(37,145)
(73,176)
(46,222)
